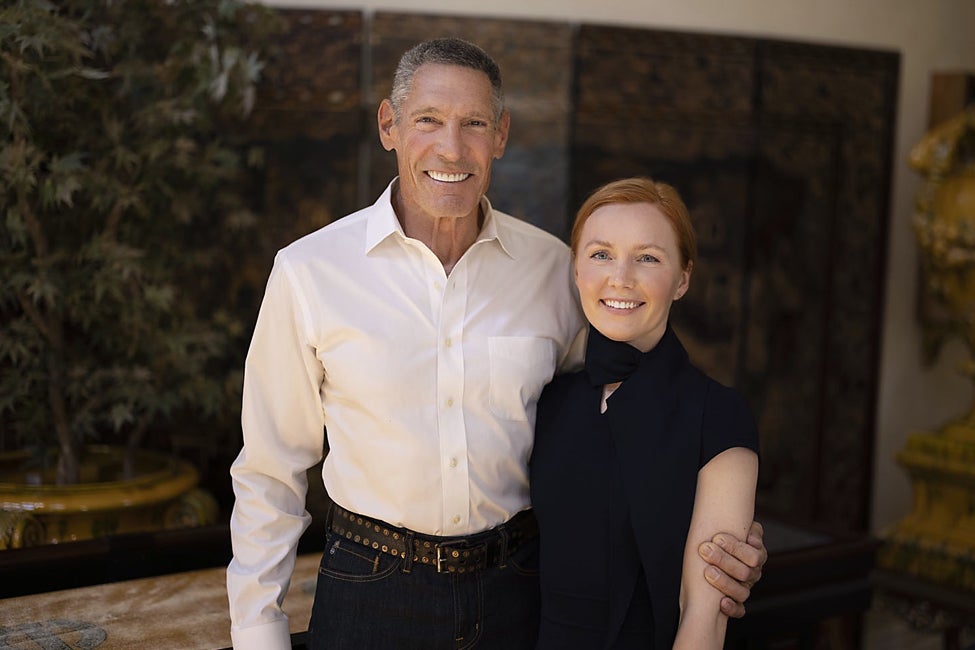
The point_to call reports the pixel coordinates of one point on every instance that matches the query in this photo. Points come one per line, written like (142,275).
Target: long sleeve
(283,434)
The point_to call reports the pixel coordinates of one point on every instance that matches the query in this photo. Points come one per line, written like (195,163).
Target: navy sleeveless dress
(614,492)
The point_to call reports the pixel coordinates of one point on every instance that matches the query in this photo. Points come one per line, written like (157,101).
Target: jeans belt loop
(329,516)
(408,554)
(503,560)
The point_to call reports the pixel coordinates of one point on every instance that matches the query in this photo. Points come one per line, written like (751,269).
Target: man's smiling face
(446,138)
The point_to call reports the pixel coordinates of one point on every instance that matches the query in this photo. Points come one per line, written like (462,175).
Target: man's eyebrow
(432,110)
(423,110)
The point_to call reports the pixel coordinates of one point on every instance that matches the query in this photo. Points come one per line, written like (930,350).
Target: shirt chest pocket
(521,366)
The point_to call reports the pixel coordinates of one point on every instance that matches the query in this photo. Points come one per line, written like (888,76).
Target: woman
(639,457)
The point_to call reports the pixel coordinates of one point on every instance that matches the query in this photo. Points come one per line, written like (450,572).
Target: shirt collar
(383,223)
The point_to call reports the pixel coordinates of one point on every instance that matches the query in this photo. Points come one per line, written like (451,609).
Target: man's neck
(448,237)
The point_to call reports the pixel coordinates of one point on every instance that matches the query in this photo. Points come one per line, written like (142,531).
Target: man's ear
(501,135)
(386,120)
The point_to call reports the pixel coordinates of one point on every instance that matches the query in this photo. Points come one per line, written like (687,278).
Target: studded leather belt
(446,554)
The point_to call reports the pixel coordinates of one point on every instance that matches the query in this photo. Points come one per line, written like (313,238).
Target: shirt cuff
(266,636)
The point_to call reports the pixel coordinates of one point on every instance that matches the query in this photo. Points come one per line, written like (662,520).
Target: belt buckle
(446,552)
(469,556)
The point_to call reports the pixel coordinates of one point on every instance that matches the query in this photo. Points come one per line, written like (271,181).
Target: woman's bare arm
(724,502)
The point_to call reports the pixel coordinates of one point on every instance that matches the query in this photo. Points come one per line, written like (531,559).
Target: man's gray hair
(446,51)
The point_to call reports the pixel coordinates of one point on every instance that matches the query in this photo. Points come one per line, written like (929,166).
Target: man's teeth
(447,178)
(621,304)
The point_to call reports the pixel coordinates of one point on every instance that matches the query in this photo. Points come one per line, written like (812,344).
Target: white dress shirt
(425,383)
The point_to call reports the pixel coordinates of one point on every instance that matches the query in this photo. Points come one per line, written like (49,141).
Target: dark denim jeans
(364,601)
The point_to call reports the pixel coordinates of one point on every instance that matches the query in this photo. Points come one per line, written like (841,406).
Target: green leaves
(120,200)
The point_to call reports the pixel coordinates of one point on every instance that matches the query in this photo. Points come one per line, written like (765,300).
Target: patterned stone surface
(182,610)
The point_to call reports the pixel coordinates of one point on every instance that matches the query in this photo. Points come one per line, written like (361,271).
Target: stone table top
(183,611)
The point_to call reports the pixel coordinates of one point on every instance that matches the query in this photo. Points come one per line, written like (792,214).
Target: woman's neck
(608,390)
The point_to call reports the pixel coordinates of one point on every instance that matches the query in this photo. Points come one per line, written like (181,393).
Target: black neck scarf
(609,361)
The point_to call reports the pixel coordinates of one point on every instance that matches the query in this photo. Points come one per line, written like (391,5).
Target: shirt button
(436,285)
(450,401)
(456,519)
(453,462)
(448,342)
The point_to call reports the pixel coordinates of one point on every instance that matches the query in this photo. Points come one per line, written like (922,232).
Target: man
(419,332)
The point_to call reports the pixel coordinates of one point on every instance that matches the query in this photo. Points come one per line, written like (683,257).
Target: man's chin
(454,207)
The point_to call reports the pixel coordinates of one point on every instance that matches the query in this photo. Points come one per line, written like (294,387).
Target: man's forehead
(436,88)
(430,74)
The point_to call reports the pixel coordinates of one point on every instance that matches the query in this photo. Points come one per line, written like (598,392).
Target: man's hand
(735,567)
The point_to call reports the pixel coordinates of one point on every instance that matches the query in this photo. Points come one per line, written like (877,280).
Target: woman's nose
(622,275)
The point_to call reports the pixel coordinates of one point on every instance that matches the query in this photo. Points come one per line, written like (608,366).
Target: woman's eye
(648,259)
(600,255)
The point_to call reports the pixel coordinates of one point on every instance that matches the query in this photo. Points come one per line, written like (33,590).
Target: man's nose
(451,142)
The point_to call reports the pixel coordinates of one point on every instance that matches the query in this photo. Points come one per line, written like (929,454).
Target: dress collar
(609,361)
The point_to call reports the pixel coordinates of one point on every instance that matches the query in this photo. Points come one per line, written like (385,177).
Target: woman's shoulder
(565,383)
(728,420)
(560,395)
(727,399)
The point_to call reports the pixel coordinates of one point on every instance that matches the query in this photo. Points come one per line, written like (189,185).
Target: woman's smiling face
(628,269)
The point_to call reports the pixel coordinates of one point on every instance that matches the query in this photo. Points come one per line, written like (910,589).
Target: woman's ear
(685,281)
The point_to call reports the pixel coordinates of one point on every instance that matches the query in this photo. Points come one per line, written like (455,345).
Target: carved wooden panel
(307,120)
(304,135)
(782,153)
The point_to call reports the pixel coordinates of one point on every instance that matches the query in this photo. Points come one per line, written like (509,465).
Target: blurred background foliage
(124,175)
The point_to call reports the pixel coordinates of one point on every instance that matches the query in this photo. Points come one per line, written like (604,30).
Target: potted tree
(121,209)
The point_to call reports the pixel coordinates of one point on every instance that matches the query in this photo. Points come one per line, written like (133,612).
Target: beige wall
(935,35)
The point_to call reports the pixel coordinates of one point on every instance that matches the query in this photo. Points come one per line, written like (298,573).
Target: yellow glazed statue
(937,539)
(945,222)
